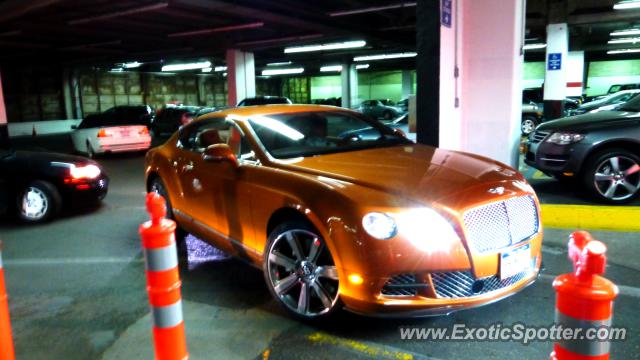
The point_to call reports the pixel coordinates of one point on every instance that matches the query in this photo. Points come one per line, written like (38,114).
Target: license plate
(125,133)
(515,261)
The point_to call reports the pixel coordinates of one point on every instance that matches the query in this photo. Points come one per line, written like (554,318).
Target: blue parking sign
(554,61)
(445,13)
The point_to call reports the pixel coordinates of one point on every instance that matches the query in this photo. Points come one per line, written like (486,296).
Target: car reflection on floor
(200,253)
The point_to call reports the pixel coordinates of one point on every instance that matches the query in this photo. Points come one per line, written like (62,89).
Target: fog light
(355,279)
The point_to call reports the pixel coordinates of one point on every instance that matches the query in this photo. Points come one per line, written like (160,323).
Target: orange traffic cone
(6,340)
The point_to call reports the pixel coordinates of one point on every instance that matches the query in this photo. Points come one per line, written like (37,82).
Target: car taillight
(104,133)
(144,131)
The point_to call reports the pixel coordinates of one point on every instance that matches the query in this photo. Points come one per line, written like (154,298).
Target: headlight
(427,230)
(564,138)
(84,172)
(380,226)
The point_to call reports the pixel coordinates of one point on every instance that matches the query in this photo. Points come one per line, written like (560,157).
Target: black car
(169,119)
(264,100)
(35,185)
(600,150)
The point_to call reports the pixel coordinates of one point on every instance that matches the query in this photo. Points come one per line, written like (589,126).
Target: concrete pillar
(555,77)
(241,76)
(575,73)
(349,84)
(428,72)
(407,84)
(4,131)
(77,97)
(66,93)
(480,78)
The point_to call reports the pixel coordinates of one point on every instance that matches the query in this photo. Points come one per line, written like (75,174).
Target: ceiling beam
(131,11)
(604,17)
(253,25)
(371,9)
(11,9)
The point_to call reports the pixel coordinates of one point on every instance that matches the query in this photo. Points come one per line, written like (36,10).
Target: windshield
(633,105)
(314,133)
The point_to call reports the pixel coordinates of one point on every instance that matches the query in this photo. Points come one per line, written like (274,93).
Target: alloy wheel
(302,273)
(528,126)
(34,204)
(617,178)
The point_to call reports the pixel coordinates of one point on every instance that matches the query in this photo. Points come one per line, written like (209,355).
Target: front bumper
(367,298)
(554,159)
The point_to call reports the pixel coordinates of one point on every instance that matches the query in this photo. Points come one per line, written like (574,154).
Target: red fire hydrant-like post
(6,340)
(584,300)
(163,281)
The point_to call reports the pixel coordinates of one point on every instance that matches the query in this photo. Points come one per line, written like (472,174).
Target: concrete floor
(77,291)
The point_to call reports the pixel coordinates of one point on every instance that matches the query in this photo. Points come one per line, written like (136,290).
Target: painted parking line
(367,349)
(615,218)
(71,261)
(624,289)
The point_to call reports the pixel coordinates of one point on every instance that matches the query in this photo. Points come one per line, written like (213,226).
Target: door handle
(187,167)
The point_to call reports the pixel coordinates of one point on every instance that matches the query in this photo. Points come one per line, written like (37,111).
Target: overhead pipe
(372,9)
(252,25)
(112,15)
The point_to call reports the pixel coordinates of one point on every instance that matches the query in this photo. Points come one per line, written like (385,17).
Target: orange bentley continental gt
(375,224)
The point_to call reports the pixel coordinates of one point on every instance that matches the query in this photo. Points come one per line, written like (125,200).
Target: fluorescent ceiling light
(220,68)
(628,4)
(325,47)
(331,68)
(624,41)
(282,63)
(187,66)
(209,69)
(385,56)
(362,66)
(534,46)
(269,72)
(131,65)
(626,32)
(116,70)
(623,51)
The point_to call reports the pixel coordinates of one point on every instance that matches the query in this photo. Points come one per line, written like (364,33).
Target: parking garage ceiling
(78,32)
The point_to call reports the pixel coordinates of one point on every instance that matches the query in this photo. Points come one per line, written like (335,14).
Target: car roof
(270,110)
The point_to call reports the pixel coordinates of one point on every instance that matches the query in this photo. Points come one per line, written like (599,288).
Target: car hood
(591,121)
(416,172)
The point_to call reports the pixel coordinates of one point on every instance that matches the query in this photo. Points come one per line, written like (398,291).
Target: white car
(99,134)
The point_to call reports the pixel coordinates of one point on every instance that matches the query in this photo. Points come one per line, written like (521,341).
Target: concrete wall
(33,93)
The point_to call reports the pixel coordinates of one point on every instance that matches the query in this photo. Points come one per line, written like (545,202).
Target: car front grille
(497,225)
(462,284)
(402,285)
(537,136)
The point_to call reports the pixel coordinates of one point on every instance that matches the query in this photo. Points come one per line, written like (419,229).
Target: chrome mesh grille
(460,284)
(400,285)
(538,136)
(497,225)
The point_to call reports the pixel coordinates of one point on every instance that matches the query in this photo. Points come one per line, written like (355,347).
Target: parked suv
(264,100)
(599,150)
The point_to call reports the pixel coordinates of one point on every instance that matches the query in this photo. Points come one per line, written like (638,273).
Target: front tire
(38,202)
(300,272)
(613,176)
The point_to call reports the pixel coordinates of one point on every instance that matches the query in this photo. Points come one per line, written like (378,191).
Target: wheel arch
(625,144)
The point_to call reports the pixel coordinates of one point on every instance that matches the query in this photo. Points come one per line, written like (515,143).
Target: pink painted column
(4,131)
(241,76)
(480,78)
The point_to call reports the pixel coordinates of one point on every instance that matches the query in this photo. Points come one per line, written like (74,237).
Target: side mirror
(73,127)
(219,153)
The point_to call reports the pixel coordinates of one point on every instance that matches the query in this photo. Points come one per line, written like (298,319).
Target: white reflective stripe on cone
(583,346)
(167,316)
(161,259)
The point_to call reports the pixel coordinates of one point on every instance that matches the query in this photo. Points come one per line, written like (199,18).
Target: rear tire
(528,125)
(613,176)
(157,186)
(300,272)
(38,202)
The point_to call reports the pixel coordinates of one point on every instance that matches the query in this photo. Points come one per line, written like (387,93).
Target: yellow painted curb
(589,217)
(373,351)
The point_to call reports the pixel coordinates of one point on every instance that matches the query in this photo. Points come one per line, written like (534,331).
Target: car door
(216,194)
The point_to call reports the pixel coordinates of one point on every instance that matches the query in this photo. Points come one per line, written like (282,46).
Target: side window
(199,136)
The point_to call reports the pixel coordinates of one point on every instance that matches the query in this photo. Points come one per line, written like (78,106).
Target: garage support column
(428,72)
(66,92)
(349,83)
(241,76)
(4,130)
(480,80)
(407,84)
(555,77)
